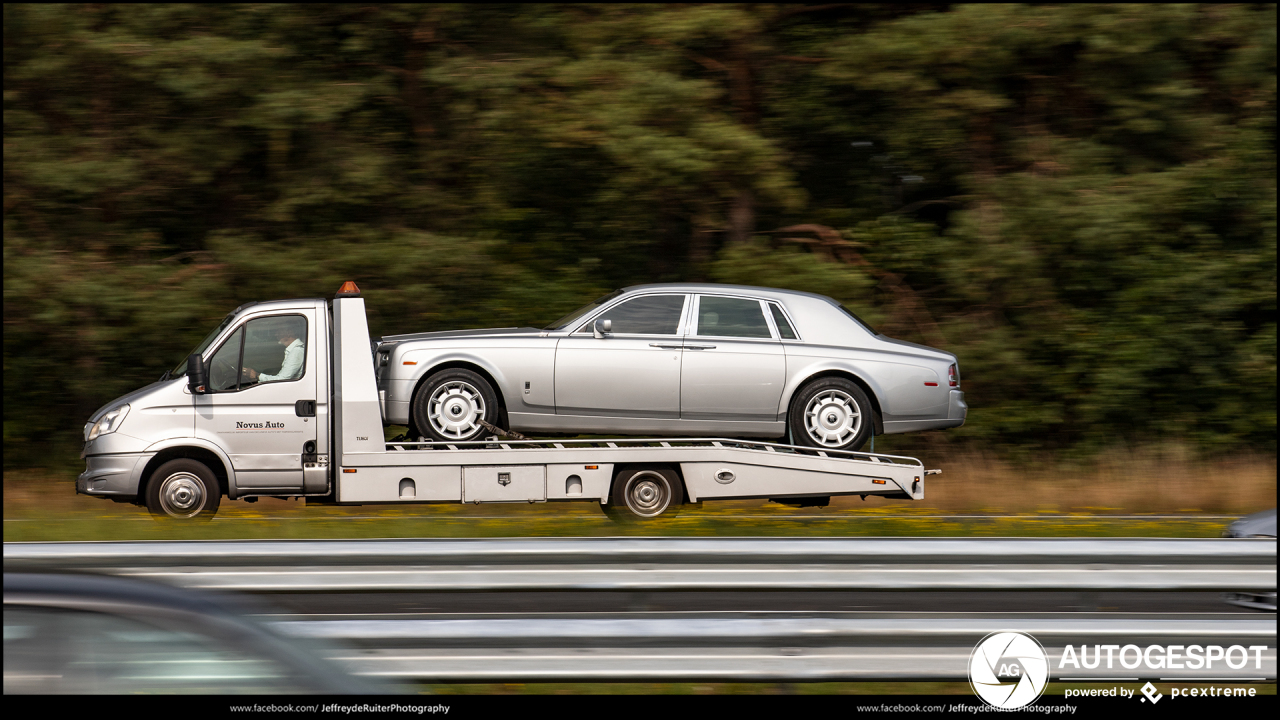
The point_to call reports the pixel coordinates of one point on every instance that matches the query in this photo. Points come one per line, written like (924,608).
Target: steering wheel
(222,374)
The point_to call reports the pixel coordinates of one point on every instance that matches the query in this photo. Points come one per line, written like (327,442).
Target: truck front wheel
(183,489)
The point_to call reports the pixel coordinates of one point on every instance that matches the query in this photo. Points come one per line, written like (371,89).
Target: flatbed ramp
(541,470)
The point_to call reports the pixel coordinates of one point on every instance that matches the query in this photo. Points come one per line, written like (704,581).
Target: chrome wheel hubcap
(832,418)
(648,494)
(182,495)
(456,409)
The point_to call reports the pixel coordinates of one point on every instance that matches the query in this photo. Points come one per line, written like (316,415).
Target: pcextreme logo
(1008,670)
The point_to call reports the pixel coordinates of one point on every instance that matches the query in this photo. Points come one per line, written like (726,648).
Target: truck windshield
(181,368)
(585,309)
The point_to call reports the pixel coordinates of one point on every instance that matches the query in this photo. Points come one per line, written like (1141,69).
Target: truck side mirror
(601,327)
(197,379)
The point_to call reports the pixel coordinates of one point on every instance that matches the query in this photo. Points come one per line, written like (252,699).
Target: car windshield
(582,311)
(181,368)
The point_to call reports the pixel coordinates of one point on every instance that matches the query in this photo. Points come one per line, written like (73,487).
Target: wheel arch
(673,467)
(461,365)
(878,412)
(216,464)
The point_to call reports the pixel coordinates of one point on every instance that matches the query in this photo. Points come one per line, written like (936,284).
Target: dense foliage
(1078,200)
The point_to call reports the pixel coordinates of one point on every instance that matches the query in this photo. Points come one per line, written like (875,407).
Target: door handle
(305,408)
(666,346)
(700,347)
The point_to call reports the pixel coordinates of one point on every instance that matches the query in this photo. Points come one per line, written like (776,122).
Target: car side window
(647,315)
(731,317)
(780,319)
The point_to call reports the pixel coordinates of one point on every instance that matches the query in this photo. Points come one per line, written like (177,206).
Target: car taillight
(953,376)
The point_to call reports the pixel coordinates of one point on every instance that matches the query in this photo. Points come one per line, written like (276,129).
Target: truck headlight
(109,422)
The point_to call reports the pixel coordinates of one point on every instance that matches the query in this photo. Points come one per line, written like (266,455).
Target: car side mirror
(601,327)
(197,378)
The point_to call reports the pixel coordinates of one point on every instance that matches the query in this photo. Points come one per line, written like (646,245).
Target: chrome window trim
(790,321)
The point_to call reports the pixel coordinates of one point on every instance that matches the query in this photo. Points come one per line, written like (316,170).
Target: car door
(734,365)
(263,423)
(634,370)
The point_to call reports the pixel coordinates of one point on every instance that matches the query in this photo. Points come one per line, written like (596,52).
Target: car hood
(136,395)
(447,334)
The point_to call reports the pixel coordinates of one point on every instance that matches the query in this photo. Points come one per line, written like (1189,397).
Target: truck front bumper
(107,475)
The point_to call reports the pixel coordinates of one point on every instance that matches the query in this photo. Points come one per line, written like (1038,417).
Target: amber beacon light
(348,289)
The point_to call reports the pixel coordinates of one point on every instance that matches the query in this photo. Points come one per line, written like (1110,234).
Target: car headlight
(109,422)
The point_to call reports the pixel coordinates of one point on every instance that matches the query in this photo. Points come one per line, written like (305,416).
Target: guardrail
(757,648)
(582,564)
(711,646)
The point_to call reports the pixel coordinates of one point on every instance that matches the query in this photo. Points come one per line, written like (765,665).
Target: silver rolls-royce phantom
(675,360)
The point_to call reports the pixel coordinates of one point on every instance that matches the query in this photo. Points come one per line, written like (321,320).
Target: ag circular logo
(1008,670)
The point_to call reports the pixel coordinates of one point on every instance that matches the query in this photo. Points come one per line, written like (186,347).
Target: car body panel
(512,357)
(618,375)
(641,383)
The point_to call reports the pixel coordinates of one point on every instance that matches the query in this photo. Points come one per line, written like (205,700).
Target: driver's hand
(251,373)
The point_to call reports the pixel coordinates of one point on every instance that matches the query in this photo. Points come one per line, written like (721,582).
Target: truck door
(261,404)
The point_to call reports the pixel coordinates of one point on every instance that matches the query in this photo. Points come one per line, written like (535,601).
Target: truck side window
(274,349)
(269,349)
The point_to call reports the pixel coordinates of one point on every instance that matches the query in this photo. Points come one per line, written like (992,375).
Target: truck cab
(258,423)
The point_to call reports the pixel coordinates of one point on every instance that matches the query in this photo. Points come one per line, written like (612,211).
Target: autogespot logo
(1008,670)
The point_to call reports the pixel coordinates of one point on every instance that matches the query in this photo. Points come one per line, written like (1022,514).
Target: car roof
(718,287)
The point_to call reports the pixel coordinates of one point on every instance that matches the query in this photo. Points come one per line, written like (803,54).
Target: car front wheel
(831,413)
(451,404)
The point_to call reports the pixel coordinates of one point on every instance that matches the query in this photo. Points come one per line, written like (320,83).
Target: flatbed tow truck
(177,446)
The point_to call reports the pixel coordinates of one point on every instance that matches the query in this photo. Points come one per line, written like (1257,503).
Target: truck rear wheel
(644,493)
(183,489)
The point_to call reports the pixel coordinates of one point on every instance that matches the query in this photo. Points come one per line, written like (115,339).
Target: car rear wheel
(644,494)
(183,489)
(832,413)
(451,404)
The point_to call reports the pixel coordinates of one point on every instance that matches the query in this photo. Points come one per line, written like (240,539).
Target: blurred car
(685,360)
(85,634)
(1258,525)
